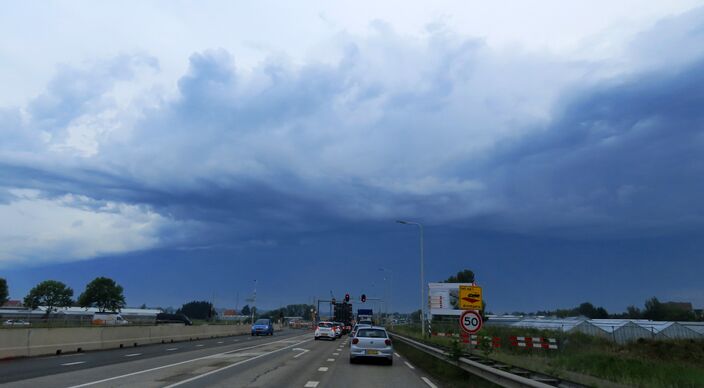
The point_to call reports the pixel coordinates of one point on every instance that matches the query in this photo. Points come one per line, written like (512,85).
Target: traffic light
(364,298)
(347,298)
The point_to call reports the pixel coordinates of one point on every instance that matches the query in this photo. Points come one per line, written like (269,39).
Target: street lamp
(422,282)
(391,290)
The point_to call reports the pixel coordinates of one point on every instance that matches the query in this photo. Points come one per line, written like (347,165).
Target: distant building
(229,313)
(13,304)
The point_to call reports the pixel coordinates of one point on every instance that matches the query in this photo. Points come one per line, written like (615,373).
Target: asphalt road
(290,358)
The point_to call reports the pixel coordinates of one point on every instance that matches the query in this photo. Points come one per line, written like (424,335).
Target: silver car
(371,343)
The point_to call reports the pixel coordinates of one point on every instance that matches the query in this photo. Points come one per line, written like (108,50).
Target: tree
(4,293)
(633,312)
(197,310)
(245,310)
(104,294)
(465,276)
(49,293)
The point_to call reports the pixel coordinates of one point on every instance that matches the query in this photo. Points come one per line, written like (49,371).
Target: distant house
(229,313)
(13,304)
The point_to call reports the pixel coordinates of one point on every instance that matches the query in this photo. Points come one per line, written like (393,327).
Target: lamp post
(422,289)
(387,302)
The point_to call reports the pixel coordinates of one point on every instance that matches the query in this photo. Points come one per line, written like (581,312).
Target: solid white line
(427,381)
(331,359)
(409,365)
(171,349)
(73,363)
(233,365)
(174,364)
(311,384)
(323,369)
(397,355)
(133,355)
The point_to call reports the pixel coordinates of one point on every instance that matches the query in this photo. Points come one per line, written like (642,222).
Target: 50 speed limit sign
(471,321)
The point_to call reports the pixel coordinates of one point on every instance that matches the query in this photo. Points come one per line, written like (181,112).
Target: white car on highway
(325,330)
(15,322)
(372,343)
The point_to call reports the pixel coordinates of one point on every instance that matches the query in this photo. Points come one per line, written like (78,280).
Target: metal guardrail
(513,377)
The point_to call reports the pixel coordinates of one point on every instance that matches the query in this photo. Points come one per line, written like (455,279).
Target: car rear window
(325,324)
(371,333)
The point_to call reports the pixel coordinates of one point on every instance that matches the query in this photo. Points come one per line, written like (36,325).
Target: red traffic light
(347,297)
(364,298)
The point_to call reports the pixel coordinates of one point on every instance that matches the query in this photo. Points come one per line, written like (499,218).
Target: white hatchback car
(372,343)
(325,330)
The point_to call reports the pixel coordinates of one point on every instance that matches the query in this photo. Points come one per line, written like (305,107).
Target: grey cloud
(445,131)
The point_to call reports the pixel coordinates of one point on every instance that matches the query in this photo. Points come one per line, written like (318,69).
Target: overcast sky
(187,149)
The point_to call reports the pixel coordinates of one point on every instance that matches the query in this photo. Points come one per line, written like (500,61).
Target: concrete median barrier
(27,342)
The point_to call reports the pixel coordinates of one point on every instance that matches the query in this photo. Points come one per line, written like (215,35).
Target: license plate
(372,352)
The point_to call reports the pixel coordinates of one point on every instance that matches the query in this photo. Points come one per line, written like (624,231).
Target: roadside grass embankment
(592,360)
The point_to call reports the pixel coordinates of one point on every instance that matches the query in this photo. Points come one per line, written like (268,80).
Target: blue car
(263,327)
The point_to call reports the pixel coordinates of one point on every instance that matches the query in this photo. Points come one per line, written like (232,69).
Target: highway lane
(291,359)
(27,368)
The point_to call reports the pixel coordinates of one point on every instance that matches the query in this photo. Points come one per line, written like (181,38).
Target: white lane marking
(199,345)
(302,352)
(331,359)
(220,342)
(409,365)
(172,365)
(397,355)
(133,355)
(171,349)
(311,384)
(323,369)
(73,363)
(235,340)
(235,364)
(427,381)
(336,354)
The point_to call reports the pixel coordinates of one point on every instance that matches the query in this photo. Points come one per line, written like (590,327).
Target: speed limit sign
(471,321)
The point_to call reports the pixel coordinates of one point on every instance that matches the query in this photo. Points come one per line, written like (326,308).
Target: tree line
(103,293)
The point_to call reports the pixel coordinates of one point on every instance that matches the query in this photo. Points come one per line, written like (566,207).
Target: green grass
(444,373)
(596,361)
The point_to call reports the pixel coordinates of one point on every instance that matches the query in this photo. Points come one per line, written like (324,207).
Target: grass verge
(444,373)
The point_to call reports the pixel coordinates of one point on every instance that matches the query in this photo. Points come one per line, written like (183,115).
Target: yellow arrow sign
(470,298)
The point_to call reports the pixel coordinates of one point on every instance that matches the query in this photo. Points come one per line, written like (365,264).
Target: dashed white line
(73,363)
(427,381)
(336,354)
(311,384)
(220,342)
(185,362)
(331,359)
(133,355)
(397,355)
(409,365)
(171,349)
(199,345)
(323,369)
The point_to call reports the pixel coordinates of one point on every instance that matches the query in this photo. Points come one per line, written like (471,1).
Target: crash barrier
(534,342)
(495,373)
(495,342)
(27,342)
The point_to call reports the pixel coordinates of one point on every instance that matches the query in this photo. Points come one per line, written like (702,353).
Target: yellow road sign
(470,298)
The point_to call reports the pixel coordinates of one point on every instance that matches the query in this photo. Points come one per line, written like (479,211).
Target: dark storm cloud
(444,130)
(624,156)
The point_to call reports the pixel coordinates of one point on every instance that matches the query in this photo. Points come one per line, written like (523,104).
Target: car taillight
(355,341)
(388,342)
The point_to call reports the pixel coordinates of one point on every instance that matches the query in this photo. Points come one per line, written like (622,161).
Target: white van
(108,319)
